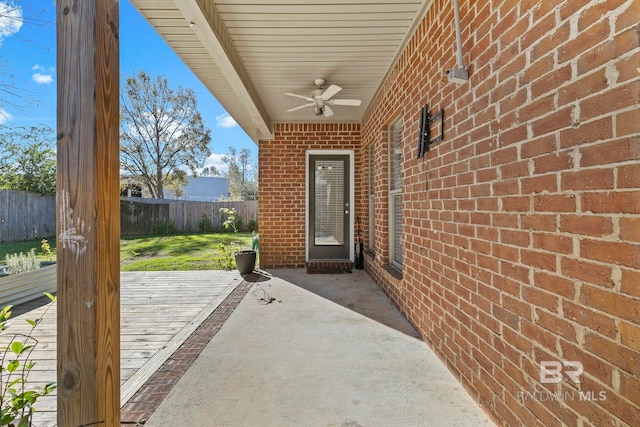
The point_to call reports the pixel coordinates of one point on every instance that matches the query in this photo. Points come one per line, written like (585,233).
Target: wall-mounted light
(460,74)
(192,26)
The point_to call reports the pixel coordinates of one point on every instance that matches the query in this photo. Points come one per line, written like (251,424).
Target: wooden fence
(29,216)
(148,216)
(26,216)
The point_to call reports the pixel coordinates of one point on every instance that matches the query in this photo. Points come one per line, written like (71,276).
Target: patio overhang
(249,53)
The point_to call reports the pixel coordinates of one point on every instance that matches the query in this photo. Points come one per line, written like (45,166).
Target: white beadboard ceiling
(248,53)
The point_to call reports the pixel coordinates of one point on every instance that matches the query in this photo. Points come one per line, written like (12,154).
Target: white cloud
(10,19)
(5,116)
(44,76)
(225,121)
(42,79)
(216,160)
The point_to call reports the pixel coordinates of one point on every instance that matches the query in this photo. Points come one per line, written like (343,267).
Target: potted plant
(245,258)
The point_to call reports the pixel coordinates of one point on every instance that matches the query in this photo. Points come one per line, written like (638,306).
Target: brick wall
(282,186)
(521,230)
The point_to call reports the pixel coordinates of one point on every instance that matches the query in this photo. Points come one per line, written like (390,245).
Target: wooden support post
(88,213)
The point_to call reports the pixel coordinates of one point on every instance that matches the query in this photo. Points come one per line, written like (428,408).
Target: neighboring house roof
(248,53)
(203,189)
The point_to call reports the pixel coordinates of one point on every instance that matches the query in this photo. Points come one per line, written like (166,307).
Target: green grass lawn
(160,253)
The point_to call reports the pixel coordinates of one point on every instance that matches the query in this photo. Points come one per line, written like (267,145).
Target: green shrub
(253,225)
(205,225)
(21,263)
(164,226)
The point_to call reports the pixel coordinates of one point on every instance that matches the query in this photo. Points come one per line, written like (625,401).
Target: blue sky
(28,54)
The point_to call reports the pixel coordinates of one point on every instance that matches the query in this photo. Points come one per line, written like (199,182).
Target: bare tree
(161,133)
(241,174)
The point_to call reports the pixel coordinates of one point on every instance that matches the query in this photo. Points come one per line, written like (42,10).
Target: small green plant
(205,226)
(232,219)
(164,226)
(21,263)
(45,248)
(225,259)
(18,399)
(253,225)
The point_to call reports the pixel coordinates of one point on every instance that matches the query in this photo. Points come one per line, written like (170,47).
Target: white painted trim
(352,196)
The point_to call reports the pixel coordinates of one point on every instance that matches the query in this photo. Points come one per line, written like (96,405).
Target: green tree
(210,171)
(161,132)
(241,174)
(28,159)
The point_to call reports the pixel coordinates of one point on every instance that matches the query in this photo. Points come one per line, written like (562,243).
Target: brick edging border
(146,400)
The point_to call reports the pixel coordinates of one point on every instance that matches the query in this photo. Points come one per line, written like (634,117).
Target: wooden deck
(159,310)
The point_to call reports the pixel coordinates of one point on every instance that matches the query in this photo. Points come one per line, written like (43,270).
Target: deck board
(159,310)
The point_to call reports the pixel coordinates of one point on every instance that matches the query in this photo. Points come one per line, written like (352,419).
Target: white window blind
(395,194)
(329,191)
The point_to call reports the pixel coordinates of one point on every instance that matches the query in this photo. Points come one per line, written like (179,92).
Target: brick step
(329,266)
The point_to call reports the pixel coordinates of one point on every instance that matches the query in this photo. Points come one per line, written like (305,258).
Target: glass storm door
(330,207)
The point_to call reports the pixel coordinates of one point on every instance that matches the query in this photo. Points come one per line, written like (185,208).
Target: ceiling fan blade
(300,107)
(349,102)
(306,98)
(331,91)
(328,112)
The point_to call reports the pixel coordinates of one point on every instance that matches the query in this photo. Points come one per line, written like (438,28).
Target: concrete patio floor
(317,350)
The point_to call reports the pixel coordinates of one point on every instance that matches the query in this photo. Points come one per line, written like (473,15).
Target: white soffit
(248,53)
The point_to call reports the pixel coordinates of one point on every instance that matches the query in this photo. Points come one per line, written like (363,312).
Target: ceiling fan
(320,99)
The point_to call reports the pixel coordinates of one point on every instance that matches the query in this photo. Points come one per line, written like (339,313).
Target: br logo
(552,371)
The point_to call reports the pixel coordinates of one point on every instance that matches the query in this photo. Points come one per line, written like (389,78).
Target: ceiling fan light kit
(321,99)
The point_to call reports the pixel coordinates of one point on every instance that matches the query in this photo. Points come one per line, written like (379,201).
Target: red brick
(539,222)
(555,284)
(630,229)
(588,272)
(630,388)
(628,122)
(630,334)
(537,108)
(540,298)
(628,68)
(626,359)
(540,184)
(629,176)
(611,252)
(550,43)
(587,179)
(536,147)
(593,131)
(620,97)
(557,120)
(630,283)
(553,243)
(552,162)
(588,225)
(583,87)
(612,202)
(629,17)
(537,259)
(611,302)
(585,40)
(591,319)
(609,50)
(596,12)
(554,203)
(557,325)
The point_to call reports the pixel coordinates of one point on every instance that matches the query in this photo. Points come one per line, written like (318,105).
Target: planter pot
(245,261)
